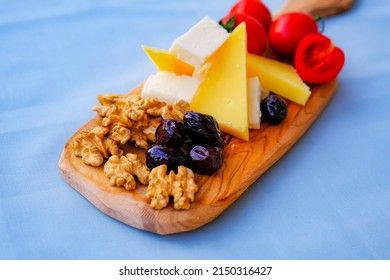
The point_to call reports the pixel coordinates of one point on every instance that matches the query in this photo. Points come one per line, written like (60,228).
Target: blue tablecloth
(327,198)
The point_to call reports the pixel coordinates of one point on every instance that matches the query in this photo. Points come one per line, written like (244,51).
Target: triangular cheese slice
(166,61)
(223,90)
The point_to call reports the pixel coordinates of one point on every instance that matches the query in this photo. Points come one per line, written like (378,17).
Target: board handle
(322,8)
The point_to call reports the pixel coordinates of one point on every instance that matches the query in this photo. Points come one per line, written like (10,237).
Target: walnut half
(92,146)
(121,171)
(162,185)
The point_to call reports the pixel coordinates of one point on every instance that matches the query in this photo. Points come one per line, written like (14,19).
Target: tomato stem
(321,23)
(229,25)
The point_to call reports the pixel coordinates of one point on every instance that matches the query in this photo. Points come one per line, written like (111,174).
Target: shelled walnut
(93,146)
(171,111)
(121,171)
(180,185)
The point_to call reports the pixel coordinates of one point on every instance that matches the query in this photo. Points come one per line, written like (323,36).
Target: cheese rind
(166,61)
(223,90)
(199,42)
(169,87)
(278,77)
(254,99)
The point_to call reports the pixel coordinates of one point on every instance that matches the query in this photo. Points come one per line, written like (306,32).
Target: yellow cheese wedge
(166,61)
(223,91)
(278,77)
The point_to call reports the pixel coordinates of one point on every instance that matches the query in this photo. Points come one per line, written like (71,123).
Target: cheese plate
(244,162)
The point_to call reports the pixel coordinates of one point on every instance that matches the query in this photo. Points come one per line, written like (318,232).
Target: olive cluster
(196,142)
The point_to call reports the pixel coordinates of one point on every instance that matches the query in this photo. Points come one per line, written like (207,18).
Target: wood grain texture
(244,161)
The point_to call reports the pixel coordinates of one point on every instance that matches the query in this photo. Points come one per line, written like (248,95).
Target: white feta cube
(169,87)
(199,42)
(254,97)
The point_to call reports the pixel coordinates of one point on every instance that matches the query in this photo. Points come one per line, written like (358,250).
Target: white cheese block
(254,97)
(169,87)
(199,42)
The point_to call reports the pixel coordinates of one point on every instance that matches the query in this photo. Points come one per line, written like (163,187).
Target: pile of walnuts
(130,119)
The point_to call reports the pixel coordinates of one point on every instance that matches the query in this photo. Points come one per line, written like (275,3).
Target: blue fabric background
(327,198)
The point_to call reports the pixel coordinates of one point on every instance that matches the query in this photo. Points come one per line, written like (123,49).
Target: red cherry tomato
(256,36)
(255,9)
(317,60)
(288,30)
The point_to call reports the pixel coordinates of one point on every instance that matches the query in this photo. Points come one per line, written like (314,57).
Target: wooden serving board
(244,162)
